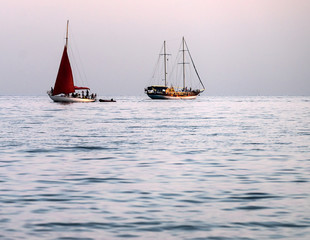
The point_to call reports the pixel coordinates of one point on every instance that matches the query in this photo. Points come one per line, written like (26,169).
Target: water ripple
(215,168)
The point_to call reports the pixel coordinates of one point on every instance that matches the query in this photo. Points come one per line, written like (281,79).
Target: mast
(183,63)
(165,63)
(67,33)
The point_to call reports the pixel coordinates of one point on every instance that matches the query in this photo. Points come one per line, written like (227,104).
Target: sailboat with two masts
(64,89)
(174,91)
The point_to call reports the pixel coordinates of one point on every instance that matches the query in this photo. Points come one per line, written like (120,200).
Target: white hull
(69,99)
(185,97)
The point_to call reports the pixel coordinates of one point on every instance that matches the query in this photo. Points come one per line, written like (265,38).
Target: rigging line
(194,64)
(157,63)
(156,68)
(174,69)
(82,74)
(75,67)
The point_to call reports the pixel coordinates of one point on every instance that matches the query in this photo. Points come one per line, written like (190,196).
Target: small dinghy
(107,100)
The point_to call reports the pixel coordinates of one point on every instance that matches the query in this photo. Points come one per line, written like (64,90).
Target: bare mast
(67,33)
(183,63)
(165,64)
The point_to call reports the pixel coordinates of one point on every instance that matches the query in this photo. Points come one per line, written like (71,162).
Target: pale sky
(240,47)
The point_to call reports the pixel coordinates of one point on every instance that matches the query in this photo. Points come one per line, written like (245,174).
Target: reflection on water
(212,168)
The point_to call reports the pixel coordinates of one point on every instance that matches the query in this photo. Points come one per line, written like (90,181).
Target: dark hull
(106,100)
(190,95)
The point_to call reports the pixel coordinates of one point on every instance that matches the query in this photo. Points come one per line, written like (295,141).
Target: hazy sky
(240,47)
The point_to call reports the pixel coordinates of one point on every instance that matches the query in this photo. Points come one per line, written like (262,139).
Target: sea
(211,168)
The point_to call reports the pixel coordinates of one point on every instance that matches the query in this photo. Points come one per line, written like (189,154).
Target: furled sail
(64,81)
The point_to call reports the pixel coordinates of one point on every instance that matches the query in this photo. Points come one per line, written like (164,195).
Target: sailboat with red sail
(64,89)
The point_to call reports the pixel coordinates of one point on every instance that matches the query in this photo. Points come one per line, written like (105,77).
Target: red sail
(64,81)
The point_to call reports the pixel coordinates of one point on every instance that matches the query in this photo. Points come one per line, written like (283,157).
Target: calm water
(211,168)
